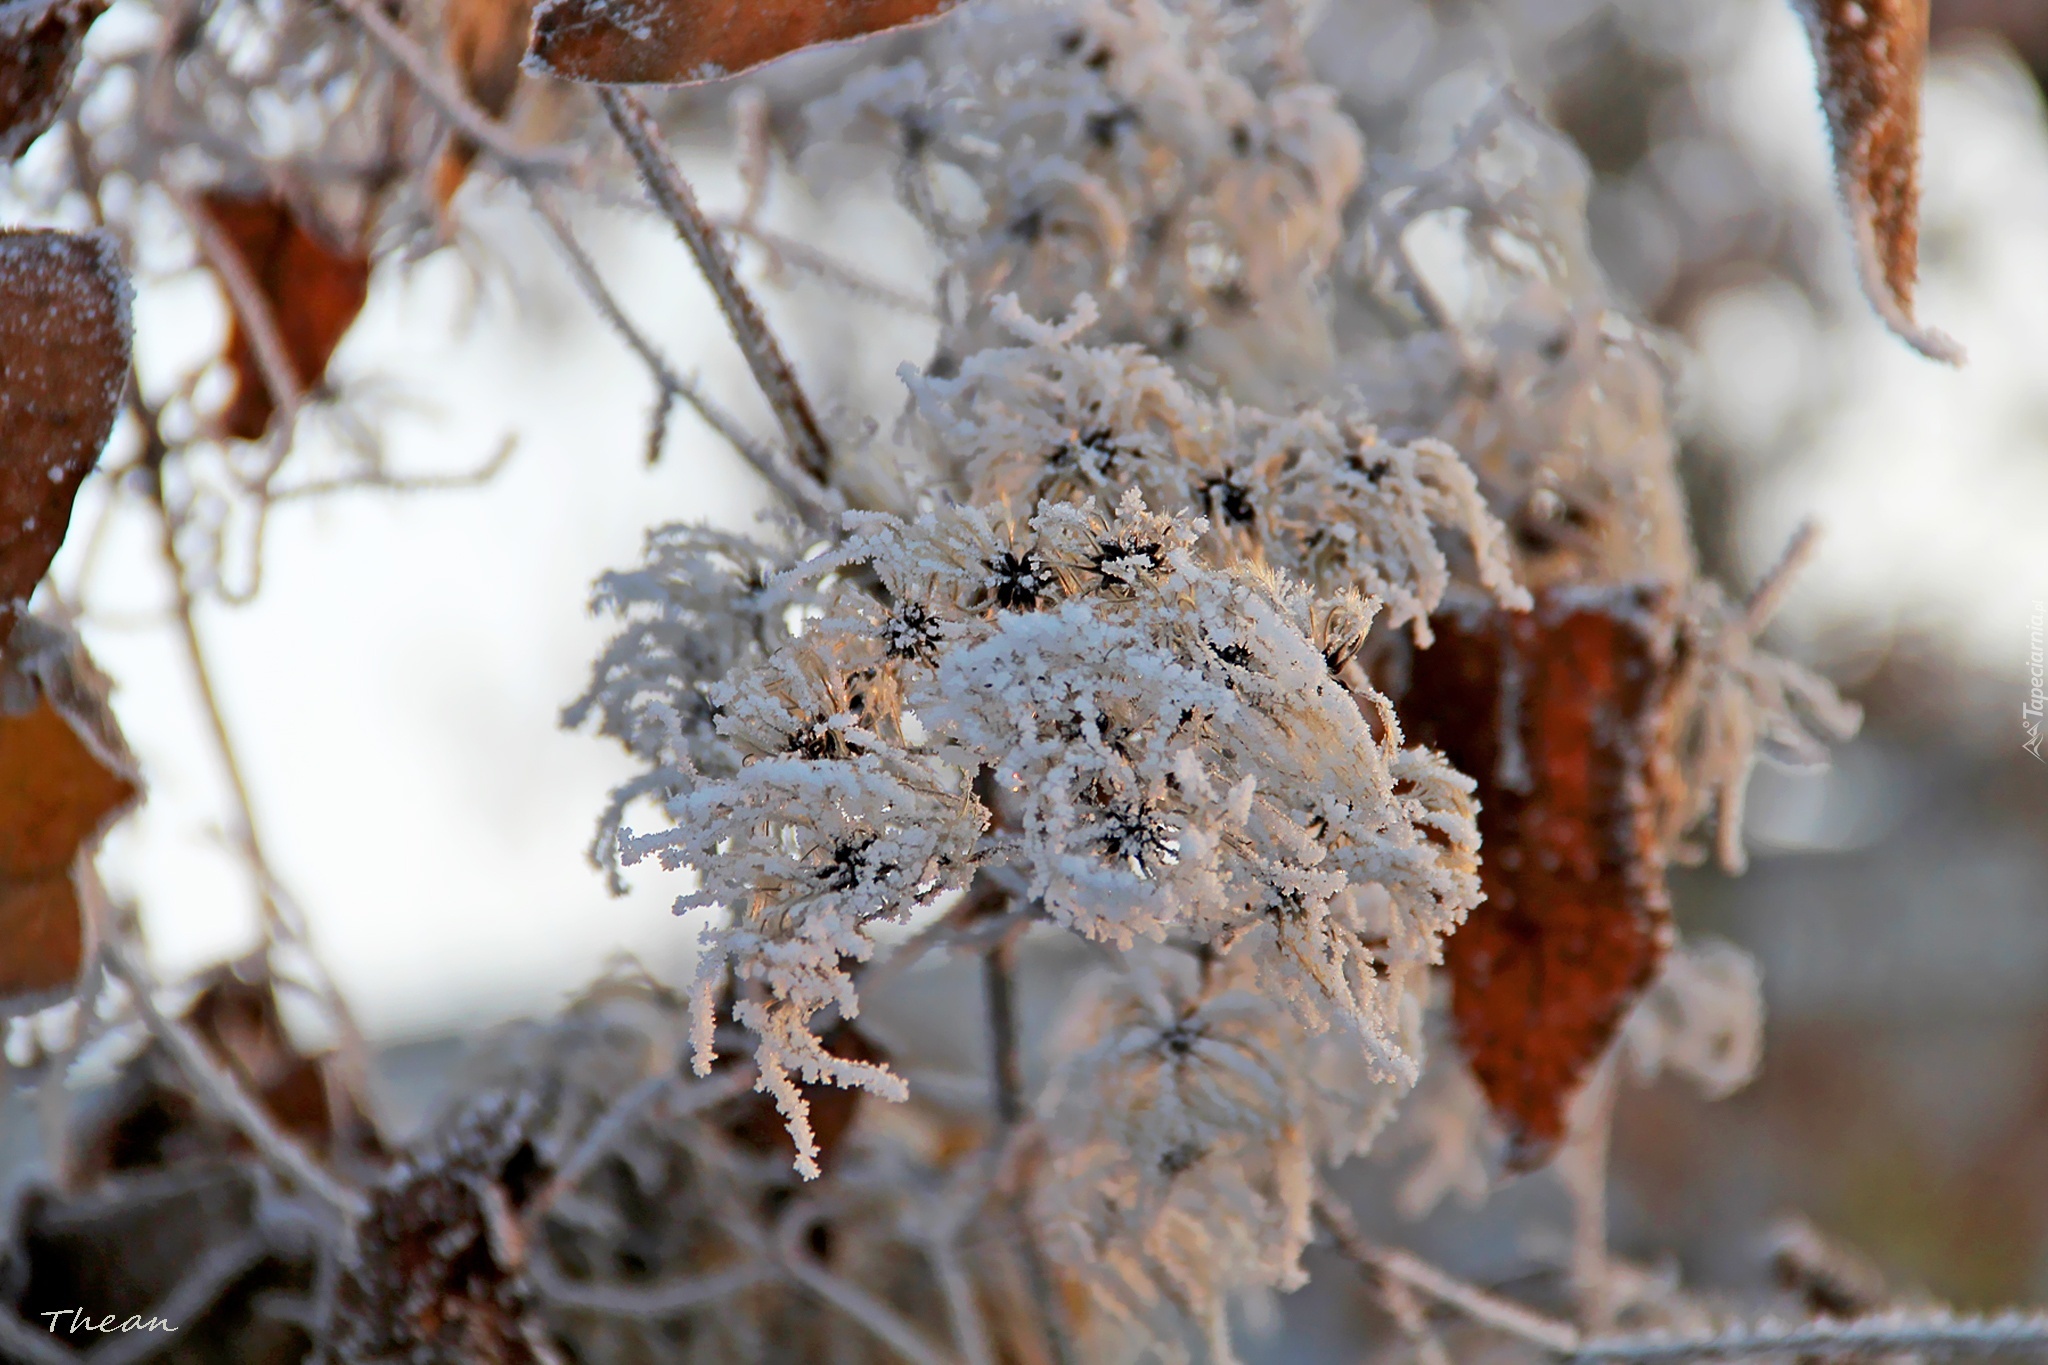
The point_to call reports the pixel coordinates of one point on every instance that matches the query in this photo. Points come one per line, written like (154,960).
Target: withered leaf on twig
(1871,54)
(486,41)
(314,291)
(676,42)
(147,1120)
(39,45)
(64,313)
(1562,716)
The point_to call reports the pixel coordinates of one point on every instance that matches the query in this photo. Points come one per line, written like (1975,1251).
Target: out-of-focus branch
(433,81)
(1903,1331)
(678,203)
(219,1089)
(864,1308)
(1503,1315)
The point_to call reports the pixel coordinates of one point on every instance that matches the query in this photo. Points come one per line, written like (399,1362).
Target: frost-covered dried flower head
(1184,1124)
(1171,159)
(1174,761)
(1315,493)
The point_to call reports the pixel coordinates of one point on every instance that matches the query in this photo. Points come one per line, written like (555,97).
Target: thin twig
(811,499)
(1882,1332)
(458,108)
(870,1312)
(219,1088)
(1770,592)
(664,1299)
(786,250)
(1501,1314)
(693,1096)
(678,203)
(389,483)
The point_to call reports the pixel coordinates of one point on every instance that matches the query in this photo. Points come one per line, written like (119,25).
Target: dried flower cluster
(1271,639)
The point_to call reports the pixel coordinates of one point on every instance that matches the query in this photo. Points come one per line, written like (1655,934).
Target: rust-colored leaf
(486,41)
(39,44)
(60,786)
(1871,54)
(313,290)
(676,42)
(1561,715)
(64,314)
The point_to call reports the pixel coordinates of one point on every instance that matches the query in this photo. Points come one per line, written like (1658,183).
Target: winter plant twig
(678,203)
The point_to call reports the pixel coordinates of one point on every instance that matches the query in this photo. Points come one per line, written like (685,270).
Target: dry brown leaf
(56,795)
(1871,54)
(485,41)
(1562,715)
(39,45)
(677,42)
(313,289)
(64,313)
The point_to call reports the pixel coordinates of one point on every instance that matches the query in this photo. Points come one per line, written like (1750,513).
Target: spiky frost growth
(1184,1126)
(703,604)
(1171,159)
(1315,493)
(1176,762)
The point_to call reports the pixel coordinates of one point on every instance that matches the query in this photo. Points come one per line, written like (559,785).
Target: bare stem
(802,491)
(678,203)
(1503,1315)
(1882,1332)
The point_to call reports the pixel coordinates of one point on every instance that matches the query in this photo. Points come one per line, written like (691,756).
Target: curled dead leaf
(677,42)
(39,46)
(313,290)
(1871,54)
(64,311)
(1562,716)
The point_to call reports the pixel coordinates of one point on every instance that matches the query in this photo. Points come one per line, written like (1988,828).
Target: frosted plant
(1315,493)
(1173,160)
(1173,757)
(1185,1126)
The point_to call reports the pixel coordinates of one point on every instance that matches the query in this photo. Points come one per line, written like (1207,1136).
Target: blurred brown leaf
(1561,715)
(486,41)
(313,289)
(64,312)
(1871,54)
(39,44)
(677,42)
(148,1121)
(62,781)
